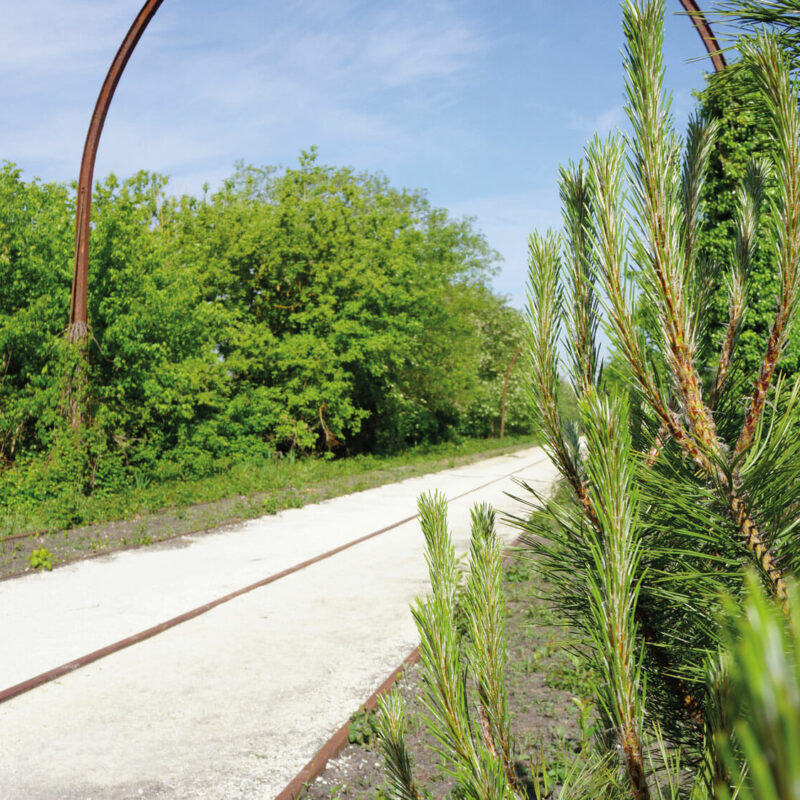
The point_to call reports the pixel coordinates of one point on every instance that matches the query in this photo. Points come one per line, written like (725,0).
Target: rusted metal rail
(83,661)
(295,789)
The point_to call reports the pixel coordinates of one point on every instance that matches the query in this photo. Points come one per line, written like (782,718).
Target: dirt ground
(548,699)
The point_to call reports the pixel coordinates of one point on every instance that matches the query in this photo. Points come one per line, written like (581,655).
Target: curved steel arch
(78,319)
(80,280)
(706,34)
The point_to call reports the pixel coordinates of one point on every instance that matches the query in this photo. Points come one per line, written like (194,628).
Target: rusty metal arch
(706,34)
(78,317)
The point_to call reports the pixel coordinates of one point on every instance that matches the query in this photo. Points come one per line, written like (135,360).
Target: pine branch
(614,583)
(479,771)
(780,17)
(698,273)
(605,176)
(655,448)
(545,304)
(391,735)
(582,303)
(485,607)
(440,645)
(666,282)
(606,172)
(780,93)
(667,279)
(700,139)
(761,708)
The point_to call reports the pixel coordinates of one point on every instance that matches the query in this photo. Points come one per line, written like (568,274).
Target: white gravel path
(233,703)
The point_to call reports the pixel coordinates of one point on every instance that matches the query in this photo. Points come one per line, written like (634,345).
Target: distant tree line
(306,309)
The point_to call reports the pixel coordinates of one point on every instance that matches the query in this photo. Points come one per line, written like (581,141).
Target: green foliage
(472,732)
(391,732)
(779,17)
(363,728)
(336,285)
(761,706)
(501,332)
(463,675)
(271,484)
(41,559)
(310,310)
(688,476)
(745,133)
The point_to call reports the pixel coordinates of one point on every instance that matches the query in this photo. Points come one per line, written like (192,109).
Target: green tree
(156,380)
(351,304)
(36,228)
(313,308)
(502,332)
(745,133)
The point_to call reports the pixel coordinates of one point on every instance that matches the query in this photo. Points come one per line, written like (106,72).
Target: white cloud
(224,82)
(602,123)
(404,48)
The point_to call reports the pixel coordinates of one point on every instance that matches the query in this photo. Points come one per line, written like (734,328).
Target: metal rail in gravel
(115,647)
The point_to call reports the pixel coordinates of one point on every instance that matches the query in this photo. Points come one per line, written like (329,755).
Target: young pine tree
(707,464)
(677,548)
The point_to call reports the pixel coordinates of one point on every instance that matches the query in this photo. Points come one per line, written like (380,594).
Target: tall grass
(277,483)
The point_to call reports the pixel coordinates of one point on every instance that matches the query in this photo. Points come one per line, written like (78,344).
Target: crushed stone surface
(231,704)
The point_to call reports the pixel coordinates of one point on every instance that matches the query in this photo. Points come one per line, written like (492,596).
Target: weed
(363,727)
(41,559)
(270,505)
(320,478)
(571,674)
(586,718)
(518,571)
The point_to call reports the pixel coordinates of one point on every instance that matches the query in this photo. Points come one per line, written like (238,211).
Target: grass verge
(143,515)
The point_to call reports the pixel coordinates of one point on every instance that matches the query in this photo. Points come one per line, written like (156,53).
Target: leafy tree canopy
(312,308)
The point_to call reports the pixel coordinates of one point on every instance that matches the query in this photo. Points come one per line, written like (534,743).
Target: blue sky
(477,101)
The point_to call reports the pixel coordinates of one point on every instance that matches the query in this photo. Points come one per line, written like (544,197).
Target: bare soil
(548,699)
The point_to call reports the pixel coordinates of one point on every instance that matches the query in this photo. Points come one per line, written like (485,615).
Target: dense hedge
(311,309)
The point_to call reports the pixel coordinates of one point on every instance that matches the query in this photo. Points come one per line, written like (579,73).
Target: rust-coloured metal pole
(706,34)
(78,304)
(505,391)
